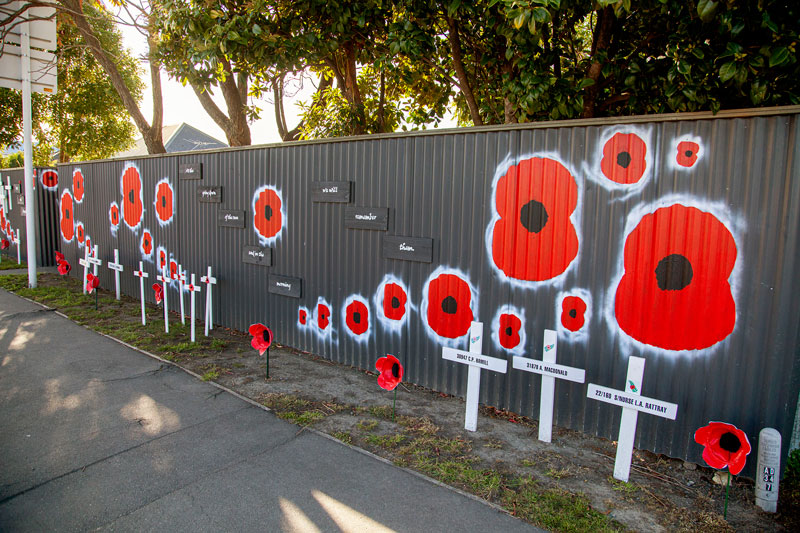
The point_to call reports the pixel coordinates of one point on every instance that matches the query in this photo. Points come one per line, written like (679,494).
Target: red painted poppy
(164,201)
(59,256)
(723,445)
(508,332)
(162,259)
(67,222)
(64,267)
(534,239)
(146,244)
(391,372)
(449,306)
(624,158)
(573,311)
(113,215)
(357,317)
(687,153)
(262,337)
(50,179)
(4,244)
(323,316)
(394,301)
(173,269)
(674,293)
(302,316)
(159,292)
(132,207)
(79,232)
(267,217)
(92,282)
(77,185)
(89,245)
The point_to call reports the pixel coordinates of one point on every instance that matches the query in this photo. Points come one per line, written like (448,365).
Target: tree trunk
(509,109)
(458,64)
(351,90)
(602,37)
(234,124)
(381,105)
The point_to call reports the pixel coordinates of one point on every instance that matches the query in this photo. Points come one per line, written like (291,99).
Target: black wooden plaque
(230,219)
(285,286)
(191,171)
(210,194)
(331,191)
(18,187)
(366,218)
(408,248)
(256,255)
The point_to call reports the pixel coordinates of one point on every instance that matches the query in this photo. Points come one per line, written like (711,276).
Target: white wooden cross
(476,362)
(165,279)
(193,288)
(15,238)
(85,264)
(181,277)
(117,268)
(141,274)
(7,194)
(549,371)
(95,260)
(209,280)
(631,402)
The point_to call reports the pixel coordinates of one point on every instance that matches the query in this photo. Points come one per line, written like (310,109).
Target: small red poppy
(449,312)
(59,256)
(89,245)
(4,244)
(534,238)
(92,282)
(50,179)
(162,259)
(508,332)
(573,310)
(67,222)
(624,158)
(164,201)
(323,316)
(113,215)
(146,244)
(394,301)
(262,337)
(173,269)
(159,292)
(723,445)
(64,267)
(357,317)
(132,207)
(674,293)
(302,316)
(267,217)
(77,185)
(79,232)
(687,153)
(391,372)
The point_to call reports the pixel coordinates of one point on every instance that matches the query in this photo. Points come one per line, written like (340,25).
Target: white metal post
(181,280)
(30,202)
(141,274)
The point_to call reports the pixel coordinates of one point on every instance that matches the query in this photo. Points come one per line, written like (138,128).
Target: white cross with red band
(193,289)
(7,194)
(117,268)
(209,280)
(85,264)
(165,279)
(181,277)
(141,274)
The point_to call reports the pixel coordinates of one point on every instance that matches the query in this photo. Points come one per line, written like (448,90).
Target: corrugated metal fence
(671,238)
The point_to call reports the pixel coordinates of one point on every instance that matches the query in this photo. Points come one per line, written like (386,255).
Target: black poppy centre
(674,272)
(396,370)
(163,201)
(509,331)
(268,212)
(624,159)
(533,216)
(66,214)
(450,305)
(130,196)
(573,313)
(729,442)
(395,302)
(357,317)
(688,153)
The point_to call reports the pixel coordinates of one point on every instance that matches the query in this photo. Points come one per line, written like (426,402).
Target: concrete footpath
(95,435)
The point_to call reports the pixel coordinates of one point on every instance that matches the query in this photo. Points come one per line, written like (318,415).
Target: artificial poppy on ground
(723,445)
(449,311)
(534,238)
(67,222)
(146,244)
(508,331)
(573,309)
(394,301)
(674,292)
(164,201)
(262,337)
(624,158)
(50,179)
(79,232)
(159,292)
(59,256)
(113,215)
(77,185)
(132,207)
(267,218)
(302,316)
(4,244)
(64,267)
(357,317)
(687,153)
(323,316)
(391,372)
(92,282)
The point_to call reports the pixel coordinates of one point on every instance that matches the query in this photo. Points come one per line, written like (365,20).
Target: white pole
(166,306)
(141,274)
(473,378)
(94,255)
(192,303)
(627,424)
(30,202)
(547,394)
(116,272)
(85,266)
(181,279)
(16,241)
(210,308)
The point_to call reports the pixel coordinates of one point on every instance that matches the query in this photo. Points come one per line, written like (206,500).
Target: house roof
(177,138)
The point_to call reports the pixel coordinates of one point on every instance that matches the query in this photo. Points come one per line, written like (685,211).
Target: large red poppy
(449,311)
(113,215)
(573,311)
(394,301)
(64,267)
(391,372)
(267,217)
(67,222)
(687,153)
(674,292)
(132,207)
(59,256)
(723,445)
(624,158)
(534,238)
(323,316)
(77,185)
(357,317)
(79,232)
(4,244)
(164,201)
(146,244)
(262,337)
(508,332)
(50,179)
